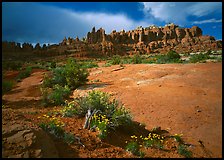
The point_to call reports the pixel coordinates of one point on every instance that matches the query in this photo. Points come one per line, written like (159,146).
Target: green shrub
(116,60)
(74,74)
(14,65)
(89,65)
(182,149)
(53,128)
(24,74)
(198,57)
(173,55)
(121,117)
(108,64)
(136,59)
(209,52)
(56,95)
(153,140)
(53,64)
(69,138)
(97,100)
(58,84)
(170,57)
(100,122)
(69,109)
(133,147)
(71,74)
(6,86)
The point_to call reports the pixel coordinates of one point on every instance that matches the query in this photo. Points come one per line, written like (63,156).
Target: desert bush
(133,147)
(58,84)
(136,59)
(71,74)
(12,65)
(55,95)
(58,94)
(198,57)
(173,55)
(69,138)
(25,73)
(95,100)
(53,128)
(209,52)
(116,59)
(88,65)
(6,86)
(74,74)
(100,101)
(182,149)
(108,64)
(170,57)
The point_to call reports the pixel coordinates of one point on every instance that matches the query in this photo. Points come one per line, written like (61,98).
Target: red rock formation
(141,40)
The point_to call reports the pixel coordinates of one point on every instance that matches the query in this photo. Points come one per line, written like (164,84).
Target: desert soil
(180,98)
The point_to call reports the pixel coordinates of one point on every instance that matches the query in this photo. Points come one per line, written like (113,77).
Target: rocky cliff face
(154,39)
(141,40)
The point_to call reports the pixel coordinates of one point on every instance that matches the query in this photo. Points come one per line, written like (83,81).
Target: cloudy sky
(50,22)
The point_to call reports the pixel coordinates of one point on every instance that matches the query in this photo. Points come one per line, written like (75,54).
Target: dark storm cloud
(30,22)
(34,22)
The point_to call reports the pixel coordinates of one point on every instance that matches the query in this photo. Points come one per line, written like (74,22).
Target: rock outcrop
(23,139)
(155,39)
(141,40)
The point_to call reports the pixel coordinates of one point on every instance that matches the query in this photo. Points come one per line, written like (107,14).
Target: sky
(50,22)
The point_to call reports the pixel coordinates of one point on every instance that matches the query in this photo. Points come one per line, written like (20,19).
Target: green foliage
(136,59)
(53,128)
(109,113)
(6,86)
(153,140)
(11,65)
(178,138)
(209,52)
(173,55)
(108,64)
(58,85)
(95,100)
(69,138)
(198,57)
(170,57)
(56,95)
(71,74)
(74,74)
(121,117)
(182,149)
(24,74)
(69,109)
(101,123)
(53,64)
(116,59)
(133,147)
(89,65)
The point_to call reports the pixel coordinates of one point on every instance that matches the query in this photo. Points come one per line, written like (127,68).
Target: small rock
(37,153)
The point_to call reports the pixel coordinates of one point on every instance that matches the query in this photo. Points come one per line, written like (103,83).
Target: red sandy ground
(181,98)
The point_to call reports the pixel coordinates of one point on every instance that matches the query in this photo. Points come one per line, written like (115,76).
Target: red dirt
(181,98)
